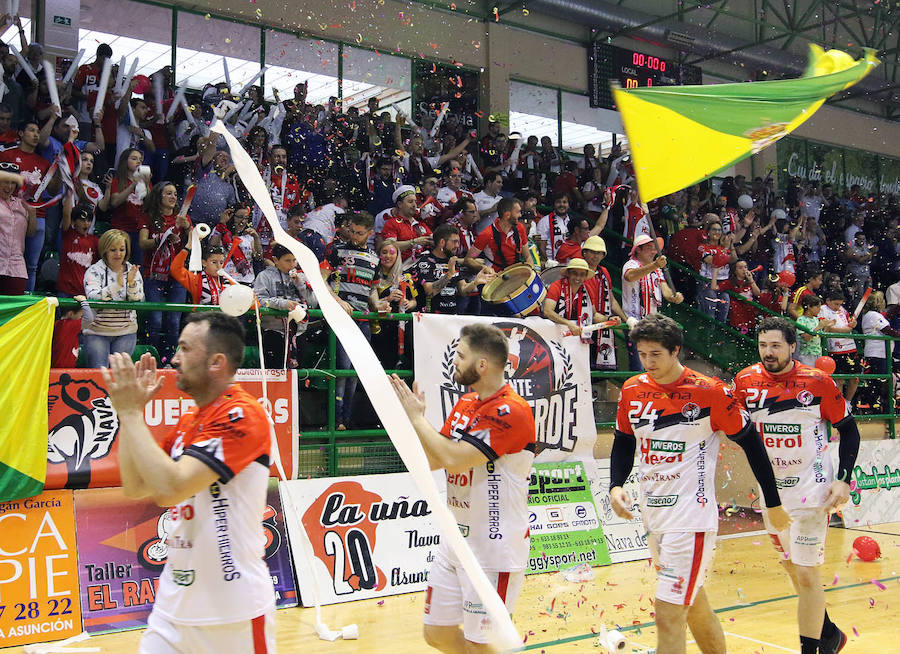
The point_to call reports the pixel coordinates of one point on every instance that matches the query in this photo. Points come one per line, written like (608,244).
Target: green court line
(736,607)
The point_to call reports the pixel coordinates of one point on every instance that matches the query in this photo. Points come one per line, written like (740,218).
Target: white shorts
(256,636)
(682,560)
(450,598)
(803,543)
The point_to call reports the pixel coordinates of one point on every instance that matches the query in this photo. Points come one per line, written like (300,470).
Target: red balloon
(826,364)
(143,84)
(786,278)
(866,548)
(721,259)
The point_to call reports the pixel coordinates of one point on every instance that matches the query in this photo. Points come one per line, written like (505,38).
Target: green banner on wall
(840,167)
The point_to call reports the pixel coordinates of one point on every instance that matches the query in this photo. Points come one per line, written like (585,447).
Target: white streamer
(158,93)
(127,81)
(200,231)
(179,98)
(73,67)
(387,405)
(50,77)
(104,85)
(227,74)
(246,87)
(440,119)
(24,64)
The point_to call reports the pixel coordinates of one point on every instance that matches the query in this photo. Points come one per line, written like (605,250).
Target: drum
(518,287)
(552,274)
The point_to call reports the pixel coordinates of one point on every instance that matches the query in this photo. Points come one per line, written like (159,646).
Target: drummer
(571,302)
(603,346)
(504,242)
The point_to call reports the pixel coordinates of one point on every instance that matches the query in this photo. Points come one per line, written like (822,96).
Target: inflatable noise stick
(200,231)
(597,326)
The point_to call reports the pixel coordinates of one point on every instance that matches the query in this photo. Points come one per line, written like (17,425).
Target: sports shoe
(833,644)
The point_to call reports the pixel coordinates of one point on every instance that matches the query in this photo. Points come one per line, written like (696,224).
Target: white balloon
(297,314)
(236,299)
(745,201)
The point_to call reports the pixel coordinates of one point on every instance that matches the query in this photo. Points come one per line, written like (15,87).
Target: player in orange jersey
(790,404)
(678,415)
(215,593)
(487,447)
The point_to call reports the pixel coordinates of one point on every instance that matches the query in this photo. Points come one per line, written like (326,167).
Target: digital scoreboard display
(632,69)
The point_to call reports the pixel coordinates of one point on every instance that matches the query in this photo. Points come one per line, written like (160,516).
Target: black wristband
(621,458)
(848,449)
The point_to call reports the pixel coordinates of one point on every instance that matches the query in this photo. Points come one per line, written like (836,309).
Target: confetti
(855,632)
(834,583)
(879,585)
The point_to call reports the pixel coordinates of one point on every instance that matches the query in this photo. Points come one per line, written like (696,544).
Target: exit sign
(62,20)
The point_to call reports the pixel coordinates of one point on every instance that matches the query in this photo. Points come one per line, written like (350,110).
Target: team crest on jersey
(691,411)
(503,410)
(805,397)
(235,414)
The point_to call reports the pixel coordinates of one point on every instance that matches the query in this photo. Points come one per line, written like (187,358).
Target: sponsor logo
(580,511)
(775,434)
(183,577)
(464,530)
(674,451)
(661,500)
(691,411)
(82,426)
(554,515)
(787,482)
(805,398)
(657,445)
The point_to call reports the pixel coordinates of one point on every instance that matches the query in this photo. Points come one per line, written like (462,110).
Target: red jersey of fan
(490,501)
(502,250)
(677,427)
(32,167)
(78,253)
(790,411)
(64,350)
(400,229)
(215,538)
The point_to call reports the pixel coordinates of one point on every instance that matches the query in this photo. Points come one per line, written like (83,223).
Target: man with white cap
(644,286)
(400,224)
(603,346)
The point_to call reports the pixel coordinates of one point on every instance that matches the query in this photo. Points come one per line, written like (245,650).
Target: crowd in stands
(98,200)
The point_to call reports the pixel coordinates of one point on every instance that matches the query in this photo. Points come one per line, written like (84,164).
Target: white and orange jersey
(642,297)
(215,572)
(790,412)
(490,502)
(677,427)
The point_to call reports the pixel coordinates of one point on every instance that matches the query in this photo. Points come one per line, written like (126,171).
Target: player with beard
(678,416)
(790,404)
(487,448)
(215,593)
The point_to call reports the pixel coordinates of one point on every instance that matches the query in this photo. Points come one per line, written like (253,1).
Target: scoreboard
(632,69)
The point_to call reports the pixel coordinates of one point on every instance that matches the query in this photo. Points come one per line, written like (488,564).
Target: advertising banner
(546,368)
(563,523)
(626,540)
(82,450)
(371,536)
(875,487)
(122,550)
(38,570)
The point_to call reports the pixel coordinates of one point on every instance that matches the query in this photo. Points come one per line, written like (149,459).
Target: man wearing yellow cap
(571,302)
(603,345)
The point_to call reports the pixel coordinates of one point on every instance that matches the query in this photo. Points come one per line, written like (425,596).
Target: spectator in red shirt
(124,198)
(80,249)
(401,224)
(85,85)
(8,136)
(567,183)
(742,315)
(162,237)
(504,242)
(32,167)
